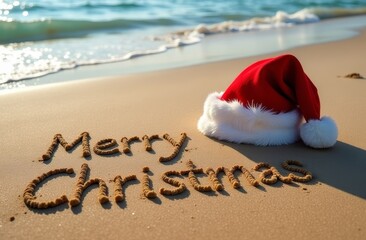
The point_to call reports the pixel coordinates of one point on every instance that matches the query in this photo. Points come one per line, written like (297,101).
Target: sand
(331,206)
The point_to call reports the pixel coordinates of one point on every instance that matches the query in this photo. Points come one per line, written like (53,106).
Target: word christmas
(269,176)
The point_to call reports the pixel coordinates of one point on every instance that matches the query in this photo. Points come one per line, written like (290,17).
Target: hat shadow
(340,166)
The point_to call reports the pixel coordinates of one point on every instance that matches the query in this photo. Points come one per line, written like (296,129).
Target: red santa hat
(265,105)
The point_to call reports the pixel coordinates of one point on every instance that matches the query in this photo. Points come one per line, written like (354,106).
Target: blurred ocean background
(38,37)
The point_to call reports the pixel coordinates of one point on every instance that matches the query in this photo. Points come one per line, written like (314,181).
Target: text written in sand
(176,179)
(109,146)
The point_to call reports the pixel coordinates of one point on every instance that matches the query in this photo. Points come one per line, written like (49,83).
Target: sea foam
(83,44)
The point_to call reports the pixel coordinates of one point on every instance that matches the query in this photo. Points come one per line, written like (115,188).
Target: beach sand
(331,206)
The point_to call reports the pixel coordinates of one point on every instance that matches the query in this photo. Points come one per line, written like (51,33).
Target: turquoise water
(47,36)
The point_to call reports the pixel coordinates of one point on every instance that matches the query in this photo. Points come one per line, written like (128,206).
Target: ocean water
(39,37)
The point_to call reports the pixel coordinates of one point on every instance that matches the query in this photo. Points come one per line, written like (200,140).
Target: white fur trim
(321,133)
(233,122)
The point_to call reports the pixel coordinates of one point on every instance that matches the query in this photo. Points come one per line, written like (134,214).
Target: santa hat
(265,105)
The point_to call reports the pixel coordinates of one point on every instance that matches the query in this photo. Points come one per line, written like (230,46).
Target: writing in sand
(268,174)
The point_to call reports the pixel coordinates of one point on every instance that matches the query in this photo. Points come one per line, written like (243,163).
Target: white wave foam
(280,19)
(195,35)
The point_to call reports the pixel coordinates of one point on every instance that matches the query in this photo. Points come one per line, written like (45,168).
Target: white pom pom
(321,133)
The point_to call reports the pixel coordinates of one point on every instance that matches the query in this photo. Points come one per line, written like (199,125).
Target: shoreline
(274,40)
(171,101)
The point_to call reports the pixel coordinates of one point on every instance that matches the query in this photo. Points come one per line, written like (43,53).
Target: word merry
(270,175)
(109,146)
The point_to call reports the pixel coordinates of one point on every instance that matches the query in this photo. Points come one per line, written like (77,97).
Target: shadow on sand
(340,167)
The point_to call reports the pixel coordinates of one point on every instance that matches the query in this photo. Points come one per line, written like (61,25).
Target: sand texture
(112,195)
